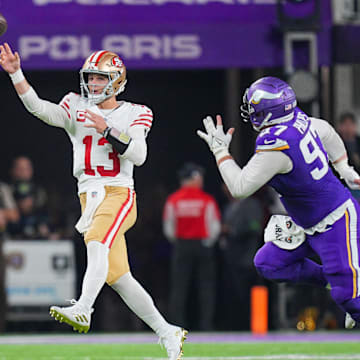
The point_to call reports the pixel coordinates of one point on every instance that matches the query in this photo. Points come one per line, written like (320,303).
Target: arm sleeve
(336,150)
(331,140)
(138,131)
(137,149)
(169,222)
(261,168)
(50,113)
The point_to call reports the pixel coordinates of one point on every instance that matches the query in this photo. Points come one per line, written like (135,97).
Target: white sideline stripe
(255,357)
(261,357)
(279,357)
(275,357)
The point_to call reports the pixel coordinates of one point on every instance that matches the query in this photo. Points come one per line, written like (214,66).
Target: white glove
(215,137)
(347,172)
(350,180)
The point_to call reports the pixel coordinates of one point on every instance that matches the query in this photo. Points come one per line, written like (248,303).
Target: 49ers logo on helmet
(117,62)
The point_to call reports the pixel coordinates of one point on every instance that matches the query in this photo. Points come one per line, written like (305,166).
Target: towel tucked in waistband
(94,197)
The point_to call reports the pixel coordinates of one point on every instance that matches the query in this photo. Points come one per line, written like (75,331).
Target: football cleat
(173,342)
(349,321)
(76,316)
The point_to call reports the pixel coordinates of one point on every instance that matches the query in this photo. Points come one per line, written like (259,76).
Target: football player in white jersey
(108,138)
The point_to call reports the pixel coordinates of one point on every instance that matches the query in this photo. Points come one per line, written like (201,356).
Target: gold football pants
(114,216)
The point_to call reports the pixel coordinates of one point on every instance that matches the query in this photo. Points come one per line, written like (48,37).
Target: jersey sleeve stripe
(143,119)
(67,112)
(141,123)
(146,115)
(274,149)
(66,104)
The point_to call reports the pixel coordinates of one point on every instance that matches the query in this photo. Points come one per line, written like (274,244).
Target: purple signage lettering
(60,34)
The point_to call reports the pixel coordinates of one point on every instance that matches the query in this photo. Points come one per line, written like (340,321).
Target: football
(3,25)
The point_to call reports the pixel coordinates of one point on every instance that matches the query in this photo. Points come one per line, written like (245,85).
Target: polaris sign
(154,34)
(140,46)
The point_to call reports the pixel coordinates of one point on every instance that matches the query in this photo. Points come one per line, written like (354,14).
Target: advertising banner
(60,34)
(39,273)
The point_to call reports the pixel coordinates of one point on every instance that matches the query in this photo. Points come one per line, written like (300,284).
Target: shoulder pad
(74,94)
(271,139)
(68,102)
(272,145)
(69,97)
(140,109)
(142,115)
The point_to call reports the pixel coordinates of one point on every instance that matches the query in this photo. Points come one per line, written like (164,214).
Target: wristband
(120,143)
(124,138)
(17,76)
(106,132)
(227,157)
(220,153)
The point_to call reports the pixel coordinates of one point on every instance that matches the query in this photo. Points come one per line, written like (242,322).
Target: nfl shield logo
(94,194)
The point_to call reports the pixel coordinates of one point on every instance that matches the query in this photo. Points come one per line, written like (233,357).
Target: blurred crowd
(24,205)
(202,279)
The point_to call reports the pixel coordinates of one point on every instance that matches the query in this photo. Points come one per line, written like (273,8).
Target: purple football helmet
(268,101)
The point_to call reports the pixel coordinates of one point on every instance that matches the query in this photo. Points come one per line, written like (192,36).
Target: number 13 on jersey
(113,155)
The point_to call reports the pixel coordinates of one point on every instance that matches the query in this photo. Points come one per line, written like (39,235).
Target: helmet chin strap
(107,93)
(279,120)
(264,123)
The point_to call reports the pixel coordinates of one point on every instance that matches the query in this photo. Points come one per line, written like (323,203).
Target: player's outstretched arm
(257,172)
(49,112)
(10,62)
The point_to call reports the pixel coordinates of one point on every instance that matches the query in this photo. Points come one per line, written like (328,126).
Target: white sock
(141,303)
(96,273)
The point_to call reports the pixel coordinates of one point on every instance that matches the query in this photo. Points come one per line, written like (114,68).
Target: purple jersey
(310,191)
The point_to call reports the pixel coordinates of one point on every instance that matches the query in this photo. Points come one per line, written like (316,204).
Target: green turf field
(218,351)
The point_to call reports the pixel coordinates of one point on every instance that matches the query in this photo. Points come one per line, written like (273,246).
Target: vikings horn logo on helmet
(104,63)
(268,101)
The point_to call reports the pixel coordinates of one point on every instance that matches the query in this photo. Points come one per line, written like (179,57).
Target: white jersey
(96,162)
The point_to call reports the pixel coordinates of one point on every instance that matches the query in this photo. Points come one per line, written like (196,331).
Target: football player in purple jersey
(292,155)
